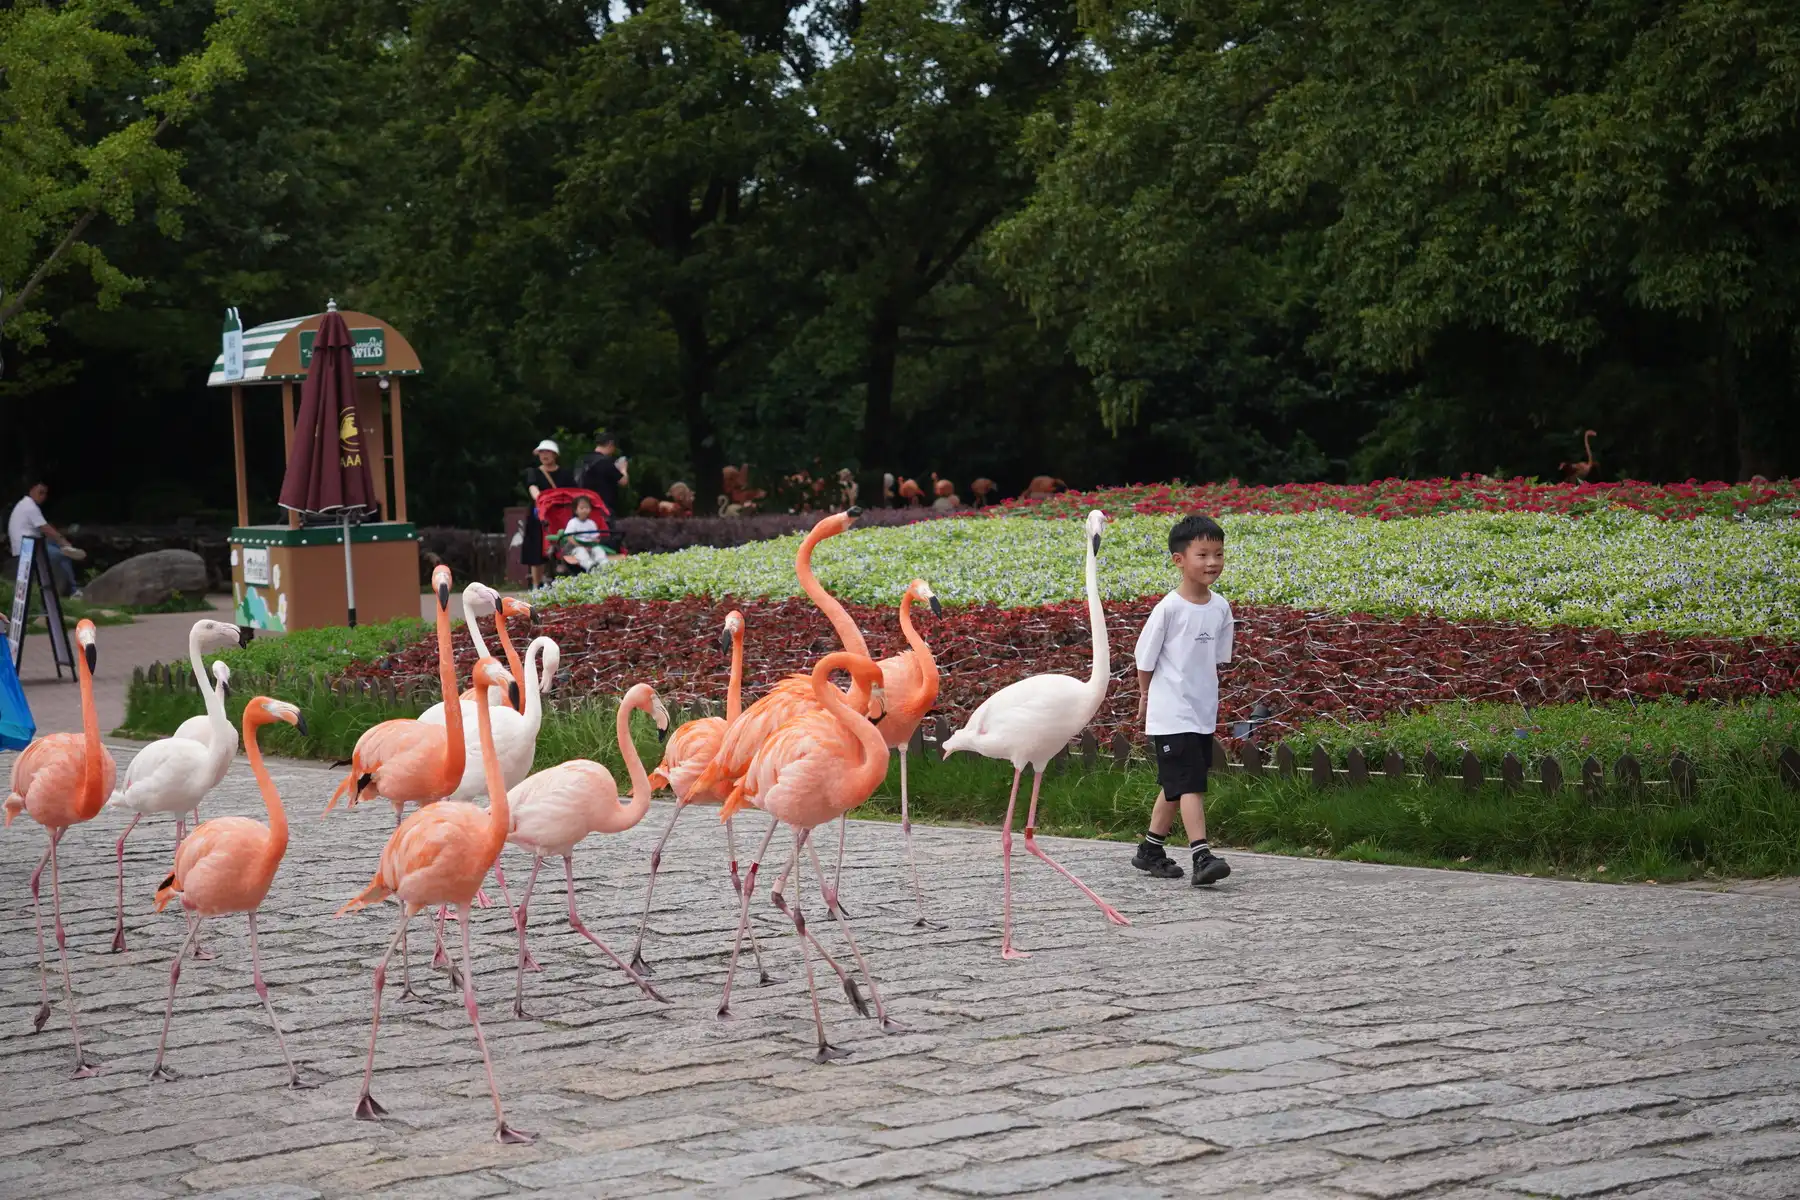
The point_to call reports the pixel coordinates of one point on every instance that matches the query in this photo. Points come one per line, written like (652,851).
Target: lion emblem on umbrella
(349,441)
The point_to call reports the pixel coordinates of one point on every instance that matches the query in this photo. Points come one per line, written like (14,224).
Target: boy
(1183,643)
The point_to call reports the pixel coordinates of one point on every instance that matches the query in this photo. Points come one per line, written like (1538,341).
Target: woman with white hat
(539,478)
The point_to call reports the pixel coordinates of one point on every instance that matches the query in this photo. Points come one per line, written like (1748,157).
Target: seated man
(27,520)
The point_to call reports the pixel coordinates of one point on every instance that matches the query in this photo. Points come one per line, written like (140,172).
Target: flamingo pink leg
(366,1108)
(575,922)
(888,1025)
(118,945)
(37,914)
(912,865)
(440,958)
(778,897)
(1112,914)
(744,919)
(827,1051)
(531,964)
(737,888)
(200,952)
(503,1133)
(1006,946)
(262,990)
(159,1071)
(83,1069)
(519,921)
(637,949)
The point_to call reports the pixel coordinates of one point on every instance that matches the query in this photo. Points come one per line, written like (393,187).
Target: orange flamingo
(63,779)
(440,855)
(813,769)
(689,751)
(1577,472)
(1043,485)
(226,866)
(982,488)
(911,492)
(555,809)
(909,686)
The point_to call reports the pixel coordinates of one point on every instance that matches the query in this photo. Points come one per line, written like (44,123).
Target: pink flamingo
(226,866)
(556,808)
(816,767)
(689,750)
(440,855)
(909,684)
(63,779)
(1027,722)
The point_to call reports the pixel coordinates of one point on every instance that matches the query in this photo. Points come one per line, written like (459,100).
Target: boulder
(148,579)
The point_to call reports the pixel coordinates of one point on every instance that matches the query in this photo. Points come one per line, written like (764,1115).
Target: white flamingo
(480,600)
(515,734)
(173,775)
(1028,722)
(555,809)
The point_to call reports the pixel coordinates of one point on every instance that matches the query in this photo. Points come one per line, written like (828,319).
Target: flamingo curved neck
(634,765)
(93,792)
(871,766)
(512,655)
(499,813)
(848,635)
(534,697)
(278,826)
(454,751)
(928,671)
(1101,674)
(734,691)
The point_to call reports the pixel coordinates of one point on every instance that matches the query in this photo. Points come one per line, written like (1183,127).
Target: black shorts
(1182,760)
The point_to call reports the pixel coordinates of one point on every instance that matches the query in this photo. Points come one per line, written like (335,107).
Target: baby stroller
(555,506)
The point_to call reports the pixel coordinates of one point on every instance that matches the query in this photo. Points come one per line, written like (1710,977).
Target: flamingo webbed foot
(161,1074)
(118,942)
(531,964)
(407,993)
(299,1083)
(1115,916)
(639,965)
(506,1135)
(724,1015)
(766,978)
(87,1070)
(521,1014)
(1008,952)
(855,996)
(925,922)
(43,1015)
(891,1026)
(368,1110)
(828,1052)
(200,954)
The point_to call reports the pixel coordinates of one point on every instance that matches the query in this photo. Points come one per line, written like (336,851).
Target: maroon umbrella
(327,473)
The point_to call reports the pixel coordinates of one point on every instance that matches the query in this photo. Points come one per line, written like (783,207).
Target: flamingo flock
(808,753)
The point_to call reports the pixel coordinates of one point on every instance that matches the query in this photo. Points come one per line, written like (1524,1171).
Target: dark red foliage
(1301,664)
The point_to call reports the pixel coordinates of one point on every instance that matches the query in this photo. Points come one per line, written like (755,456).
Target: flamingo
(909,685)
(1027,722)
(911,492)
(981,488)
(440,855)
(63,779)
(1043,485)
(689,750)
(200,640)
(227,867)
(554,809)
(1577,472)
(814,768)
(480,600)
(173,775)
(514,734)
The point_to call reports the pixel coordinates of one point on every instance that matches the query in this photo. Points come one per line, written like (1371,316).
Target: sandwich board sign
(34,569)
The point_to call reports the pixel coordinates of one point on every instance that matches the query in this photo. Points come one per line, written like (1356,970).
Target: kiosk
(287,576)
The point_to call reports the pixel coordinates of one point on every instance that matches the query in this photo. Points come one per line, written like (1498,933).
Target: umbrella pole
(349,571)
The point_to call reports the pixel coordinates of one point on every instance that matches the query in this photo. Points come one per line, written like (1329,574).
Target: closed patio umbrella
(327,475)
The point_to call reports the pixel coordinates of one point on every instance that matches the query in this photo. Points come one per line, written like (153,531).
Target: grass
(1718,737)
(1742,824)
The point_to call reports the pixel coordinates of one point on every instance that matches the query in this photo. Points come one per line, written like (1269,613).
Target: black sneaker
(1161,866)
(1210,870)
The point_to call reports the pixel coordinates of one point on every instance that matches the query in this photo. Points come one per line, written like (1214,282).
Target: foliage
(1391,499)
(1720,737)
(1614,569)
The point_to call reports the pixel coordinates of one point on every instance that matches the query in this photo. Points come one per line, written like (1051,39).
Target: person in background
(605,471)
(547,474)
(580,547)
(27,520)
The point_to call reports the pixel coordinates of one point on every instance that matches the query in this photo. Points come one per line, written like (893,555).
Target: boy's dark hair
(1194,529)
(581,500)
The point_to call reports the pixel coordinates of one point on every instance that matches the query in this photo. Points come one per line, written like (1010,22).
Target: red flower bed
(1301,664)
(1390,498)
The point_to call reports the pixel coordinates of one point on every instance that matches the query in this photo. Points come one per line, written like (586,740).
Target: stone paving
(1309,1029)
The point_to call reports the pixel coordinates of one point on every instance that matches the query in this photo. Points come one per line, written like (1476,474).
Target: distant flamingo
(1577,472)
(480,600)
(556,808)
(1027,722)
(227,867)
(909,686)
(813,769)
(440,855)
(63,779)
(1043,485)
(688,752)
(173,775)
(981,489)
(911,492)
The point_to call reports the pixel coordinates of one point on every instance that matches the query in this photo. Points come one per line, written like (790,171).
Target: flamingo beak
(853,512)
(725,642)
(246,634)
(512,692)
(300,723)
(91,652)
(1096,543)
(224,689)
(937,609)
(662,734)
(443,596)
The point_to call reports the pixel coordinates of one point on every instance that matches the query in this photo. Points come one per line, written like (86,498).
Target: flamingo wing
(687,754)
(435,857)
(799,772)
(166,777)
(217,867)
(555,809)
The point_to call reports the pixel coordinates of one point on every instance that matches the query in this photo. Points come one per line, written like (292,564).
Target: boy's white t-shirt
(1183,644)
(577,525)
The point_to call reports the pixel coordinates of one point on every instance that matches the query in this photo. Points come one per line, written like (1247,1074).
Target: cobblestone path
(1311,1029)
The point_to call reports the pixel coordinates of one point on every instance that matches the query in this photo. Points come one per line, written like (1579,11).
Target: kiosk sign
(232,352)
(368,347)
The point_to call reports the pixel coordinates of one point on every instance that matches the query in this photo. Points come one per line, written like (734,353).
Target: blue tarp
(16,726)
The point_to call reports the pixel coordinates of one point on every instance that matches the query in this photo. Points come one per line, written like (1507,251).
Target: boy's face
(1200,561)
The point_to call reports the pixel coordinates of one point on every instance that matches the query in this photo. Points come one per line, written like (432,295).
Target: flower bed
(1386,499)
(1303,665)
(1618,570)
